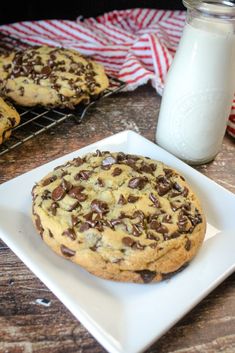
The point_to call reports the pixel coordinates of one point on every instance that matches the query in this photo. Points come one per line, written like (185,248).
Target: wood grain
(26,326)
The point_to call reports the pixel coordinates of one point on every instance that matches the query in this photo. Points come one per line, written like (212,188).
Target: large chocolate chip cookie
(52,77)
(121,217)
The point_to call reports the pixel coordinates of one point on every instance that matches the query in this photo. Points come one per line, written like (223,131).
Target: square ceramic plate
(124,318)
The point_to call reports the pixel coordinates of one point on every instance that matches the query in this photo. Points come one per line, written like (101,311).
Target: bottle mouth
(220,8)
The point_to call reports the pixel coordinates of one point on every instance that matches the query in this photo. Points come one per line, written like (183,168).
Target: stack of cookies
(121,217)
(50,77)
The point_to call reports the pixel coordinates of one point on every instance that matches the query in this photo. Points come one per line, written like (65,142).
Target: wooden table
(29,327)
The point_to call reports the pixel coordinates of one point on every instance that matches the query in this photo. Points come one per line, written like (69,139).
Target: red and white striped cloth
(135,45)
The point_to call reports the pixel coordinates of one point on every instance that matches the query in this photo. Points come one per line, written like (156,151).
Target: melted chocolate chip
(66,185)
(66,251)
(117,171)
(76,192)
(187,245)
(108,162)
(54,207)
(49,180)
(100,182)
(160,228)
(127,241)
(163,185)
(83,175)
(138,246)
(99,206)
(58,193)
(70,233)
(74,206)
(146,168)
(132,198)
(46,195)
(154,200)
(137,183)
(146,275)
(77,161)
(136,230)
(122,200)
(46,70)
(83,227)
(74,220)
(168,172)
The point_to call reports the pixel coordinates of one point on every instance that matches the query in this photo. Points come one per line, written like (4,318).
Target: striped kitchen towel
(136,45)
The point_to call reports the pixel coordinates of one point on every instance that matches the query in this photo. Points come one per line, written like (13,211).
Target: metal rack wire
(36,120)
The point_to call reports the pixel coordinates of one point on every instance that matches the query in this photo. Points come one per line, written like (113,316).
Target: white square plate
(124,318)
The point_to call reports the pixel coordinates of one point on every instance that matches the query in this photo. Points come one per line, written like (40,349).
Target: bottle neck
(209,22)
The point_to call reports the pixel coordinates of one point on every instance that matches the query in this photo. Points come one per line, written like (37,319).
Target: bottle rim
(225,8)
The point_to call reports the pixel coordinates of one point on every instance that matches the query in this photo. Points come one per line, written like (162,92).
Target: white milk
(199,91)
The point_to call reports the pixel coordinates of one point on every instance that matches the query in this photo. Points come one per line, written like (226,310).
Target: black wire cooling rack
(36,120)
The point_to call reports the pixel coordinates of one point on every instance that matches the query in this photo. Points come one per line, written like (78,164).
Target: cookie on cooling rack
(51,77)
(121,217)
(9,118)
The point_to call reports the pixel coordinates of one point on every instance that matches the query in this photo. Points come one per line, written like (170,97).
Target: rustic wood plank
(26,326)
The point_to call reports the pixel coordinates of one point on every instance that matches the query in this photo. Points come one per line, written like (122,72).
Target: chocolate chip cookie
(51,77)
(9,118)
(120,216)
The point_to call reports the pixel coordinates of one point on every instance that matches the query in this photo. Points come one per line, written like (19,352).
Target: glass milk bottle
(200,84)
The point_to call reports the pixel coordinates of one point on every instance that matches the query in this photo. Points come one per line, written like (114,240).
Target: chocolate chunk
(100,182)
(160,228)
(77,161)
(168,172)
(83,175)
(167,218)
(146,168)
(108,162)
(66,185)
(127,241)
(138,246)
(187,245)
(163,185)
(183,223)
(121,157)
(97,153)
(185,192)
(66,251)
(115,222)
(76,192)
(122,200)
(154,200)
(46,195)
(174,235)
(117,171)
(136,230)
(70,233)
(139,214)
(75,205)
(54,207)
(83,227)
(58,193)
(74,220)
(137,183)
(132,198)
(49,180)
(46,70)
(99,206)
(146,275)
